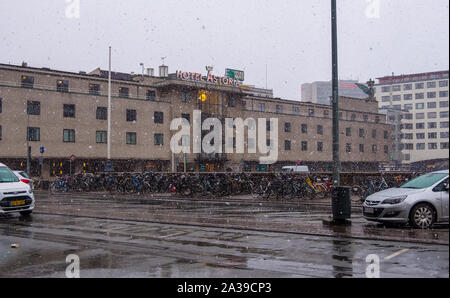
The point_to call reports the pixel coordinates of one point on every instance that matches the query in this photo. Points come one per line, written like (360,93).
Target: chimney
(150,72)
(24,64)
(164,71)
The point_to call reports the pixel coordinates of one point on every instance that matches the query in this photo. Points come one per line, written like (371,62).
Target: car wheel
(26,213)
(422,216)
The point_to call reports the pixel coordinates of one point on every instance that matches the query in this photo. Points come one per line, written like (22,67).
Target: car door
(443,198)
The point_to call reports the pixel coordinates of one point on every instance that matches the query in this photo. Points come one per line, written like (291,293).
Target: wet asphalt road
(130,247)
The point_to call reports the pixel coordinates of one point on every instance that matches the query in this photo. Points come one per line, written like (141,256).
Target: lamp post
(335,98)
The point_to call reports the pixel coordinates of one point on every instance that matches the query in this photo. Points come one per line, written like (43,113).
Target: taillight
(174,188)
(27,181)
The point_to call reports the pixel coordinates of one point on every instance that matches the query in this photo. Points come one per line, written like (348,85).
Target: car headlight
(396,200)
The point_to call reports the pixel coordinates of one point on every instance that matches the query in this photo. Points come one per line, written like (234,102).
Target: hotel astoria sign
(210,78)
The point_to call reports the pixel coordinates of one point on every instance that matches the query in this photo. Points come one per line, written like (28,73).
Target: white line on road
(396,254)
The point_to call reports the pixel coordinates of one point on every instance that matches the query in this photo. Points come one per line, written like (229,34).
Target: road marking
(175,234)
(396,254)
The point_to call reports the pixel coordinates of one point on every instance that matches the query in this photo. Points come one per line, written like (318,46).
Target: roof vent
(164,71)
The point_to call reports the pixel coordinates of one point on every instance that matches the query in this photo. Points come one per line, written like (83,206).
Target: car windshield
(6,176)
(424,181)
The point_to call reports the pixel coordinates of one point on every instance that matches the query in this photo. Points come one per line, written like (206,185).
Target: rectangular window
(159,117)
(443,93)
(408,116)
(420,136)
(279,109)
(101,113)
(319,129)
(62,86)
(320,146)
(101,137)
(348,148)
(296,110)
(407,97)
(420,85)
(443,84)
(304,146)
(261,107)
(287,145)
(361,148)
(231,101)
(310,112)
(159,139)
(94,89)
(420,146)
(185,96)
(432,125)
(420,95)
(69,136)
(408,126)
(431,105)
(431,85)
(34,134)
(353,117)
(27,82)
(361,132)
(420,125)
(444,145)
(386,89)
(326,114)
(444,124)
(377,119)
(386,149)
(69,111)
(374,148)
(408,107)
(396,98)
(444,135)
(287,127)
(385,98)
(124,92)
(348,131)
(304,128)
(151,95)
(407,87)
(443,114)
(431,95)
(409,146)
(131,116)
(374,133)
(131,138)
(33,107)
(420,106)
(432,135)
(443,104)
(408,136)
(432,115)
(420,116)
(396,88)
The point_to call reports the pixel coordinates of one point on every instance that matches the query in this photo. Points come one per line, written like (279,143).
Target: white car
(420,202)
(15,195)
(24,177)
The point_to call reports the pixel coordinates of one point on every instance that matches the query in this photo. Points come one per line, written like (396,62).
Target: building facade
(321,92)
(66,113)
(425,130)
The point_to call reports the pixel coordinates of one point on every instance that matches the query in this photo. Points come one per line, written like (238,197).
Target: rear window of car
(425,181)
(23,174)
(6,176)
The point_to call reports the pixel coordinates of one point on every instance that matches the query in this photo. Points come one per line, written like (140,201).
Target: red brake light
(25,181)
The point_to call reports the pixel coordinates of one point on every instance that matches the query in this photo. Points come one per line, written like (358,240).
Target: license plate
(369,210)
(17,203)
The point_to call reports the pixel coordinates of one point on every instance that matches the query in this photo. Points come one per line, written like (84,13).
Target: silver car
(421,202)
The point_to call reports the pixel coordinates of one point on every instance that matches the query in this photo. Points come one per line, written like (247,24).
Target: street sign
(42,149)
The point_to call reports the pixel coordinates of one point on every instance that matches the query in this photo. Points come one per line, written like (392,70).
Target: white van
(297,169)
(15,195)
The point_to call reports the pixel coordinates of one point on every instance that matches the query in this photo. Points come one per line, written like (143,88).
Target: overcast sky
(291,37)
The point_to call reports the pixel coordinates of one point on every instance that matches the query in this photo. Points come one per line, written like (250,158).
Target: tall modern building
(320,92)
(424,131)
